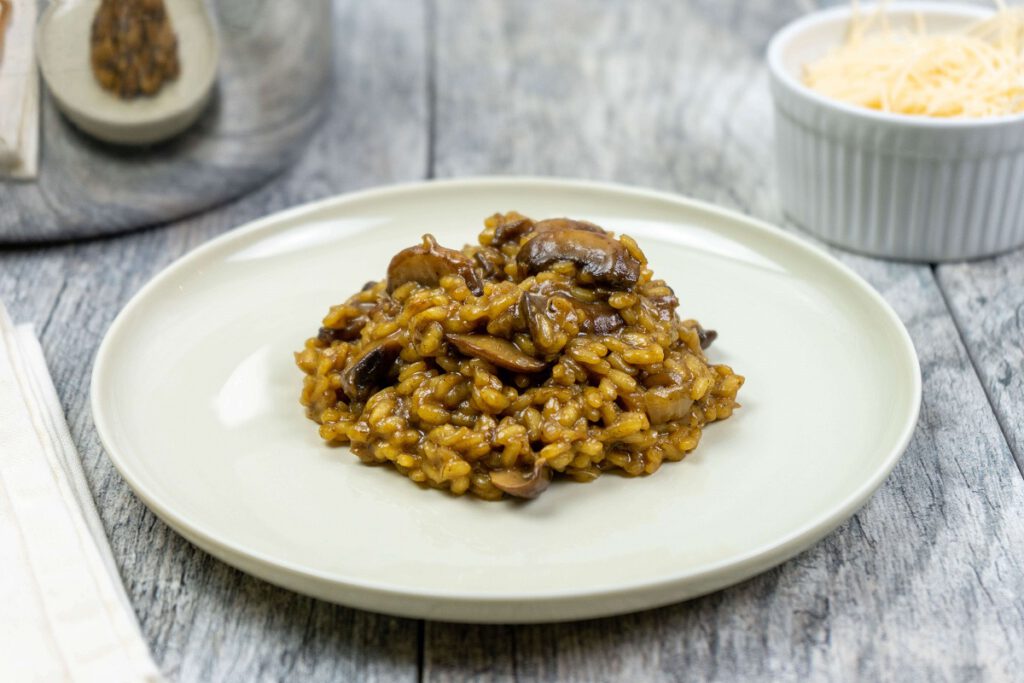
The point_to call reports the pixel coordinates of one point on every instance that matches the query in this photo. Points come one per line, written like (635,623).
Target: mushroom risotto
(546,350)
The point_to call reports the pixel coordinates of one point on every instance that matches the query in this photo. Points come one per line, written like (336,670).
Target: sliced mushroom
(555,224)
(514,230)
(501,352)
(490,262)
(370,370)
(427,263)
(511,231)
(600,256)
(347,333)
(666,399)
(706,337)
(533,313)
(600,318)
(350,330)
(665,305)
(597,317)
(524,484)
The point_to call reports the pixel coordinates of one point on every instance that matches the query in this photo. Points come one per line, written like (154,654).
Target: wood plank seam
(56,304)
(430,45)
(1018,458)
(421,649)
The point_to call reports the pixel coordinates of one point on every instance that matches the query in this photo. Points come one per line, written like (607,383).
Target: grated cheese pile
(974,73)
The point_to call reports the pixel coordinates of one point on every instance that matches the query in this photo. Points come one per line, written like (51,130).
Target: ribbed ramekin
(895,186)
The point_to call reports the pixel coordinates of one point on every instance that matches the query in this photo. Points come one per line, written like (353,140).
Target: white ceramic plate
(195,396)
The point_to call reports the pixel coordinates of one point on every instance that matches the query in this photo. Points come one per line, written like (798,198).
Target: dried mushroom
(427,263)
(133,48)
(501,352)
(600,256)
(524,484)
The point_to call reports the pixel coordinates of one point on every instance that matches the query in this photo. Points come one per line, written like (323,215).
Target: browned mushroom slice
(555,224)
(349,331)
(501,352)
(524,484)
(600,256)
(664,304)
(599,318)
(706,337)
(533,313)
(329,334)
(490,262)
(370,370)
(666,398)
(427,263)
(512,230)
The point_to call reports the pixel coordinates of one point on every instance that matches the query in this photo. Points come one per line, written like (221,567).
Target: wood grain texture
(204,620)
(924,582)
(987,301)
(268,101)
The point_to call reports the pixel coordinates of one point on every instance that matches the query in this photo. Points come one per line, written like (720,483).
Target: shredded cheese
(974,73)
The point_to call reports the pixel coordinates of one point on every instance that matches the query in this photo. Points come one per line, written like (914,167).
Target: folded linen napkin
(19,91)
(65,614)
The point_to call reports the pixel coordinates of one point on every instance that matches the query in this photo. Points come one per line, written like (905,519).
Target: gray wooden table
(925,583)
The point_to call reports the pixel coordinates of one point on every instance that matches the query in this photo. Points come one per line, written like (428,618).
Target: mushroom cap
(599,255)
(427,263)
(524,484)
(370,369)
(501,352)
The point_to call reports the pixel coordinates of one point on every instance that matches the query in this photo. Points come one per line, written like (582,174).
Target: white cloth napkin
(64,614)
(19,93)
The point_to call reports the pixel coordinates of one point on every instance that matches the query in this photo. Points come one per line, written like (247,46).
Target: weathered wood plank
(924,582)
(987,300)
(205,621)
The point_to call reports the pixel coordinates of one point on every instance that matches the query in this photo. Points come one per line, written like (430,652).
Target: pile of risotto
(546,350)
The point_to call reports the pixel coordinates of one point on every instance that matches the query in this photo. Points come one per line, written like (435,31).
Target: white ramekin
(888,185)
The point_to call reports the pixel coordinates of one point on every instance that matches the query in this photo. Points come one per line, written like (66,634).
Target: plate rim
(423,603)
